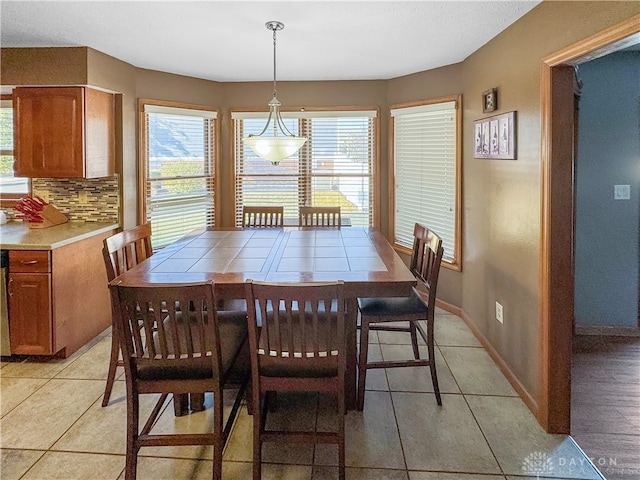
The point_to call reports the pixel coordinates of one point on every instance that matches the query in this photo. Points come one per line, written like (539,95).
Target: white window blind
(425,163)
(10,186)
(334,167)
(179,165)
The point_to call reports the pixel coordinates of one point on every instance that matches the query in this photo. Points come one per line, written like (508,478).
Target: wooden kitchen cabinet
(30,302)
(63,132)
(58,299)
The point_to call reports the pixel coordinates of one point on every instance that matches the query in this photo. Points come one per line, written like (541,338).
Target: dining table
(361,257)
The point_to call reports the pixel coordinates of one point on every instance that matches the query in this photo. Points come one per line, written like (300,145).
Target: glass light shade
(274,149)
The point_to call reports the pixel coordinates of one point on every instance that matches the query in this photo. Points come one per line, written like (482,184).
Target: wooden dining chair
(320,217)
(377,313)
(299,347)
(171,350)
(121,252)
(262,216)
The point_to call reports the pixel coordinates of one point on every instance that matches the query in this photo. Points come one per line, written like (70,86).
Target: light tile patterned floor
(53,426)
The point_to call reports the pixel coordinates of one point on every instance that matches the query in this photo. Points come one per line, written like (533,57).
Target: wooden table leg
(196,401)
(184,403)
(180,404)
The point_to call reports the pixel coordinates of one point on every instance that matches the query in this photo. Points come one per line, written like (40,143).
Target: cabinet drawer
(29,261)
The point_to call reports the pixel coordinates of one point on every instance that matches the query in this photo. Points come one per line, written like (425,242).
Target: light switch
(621,192)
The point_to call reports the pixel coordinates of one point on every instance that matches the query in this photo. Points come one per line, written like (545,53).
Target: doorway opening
(557,210)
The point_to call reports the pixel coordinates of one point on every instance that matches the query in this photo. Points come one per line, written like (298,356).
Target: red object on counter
(39,213)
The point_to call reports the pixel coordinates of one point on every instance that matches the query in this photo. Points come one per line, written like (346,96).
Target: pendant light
(283,143)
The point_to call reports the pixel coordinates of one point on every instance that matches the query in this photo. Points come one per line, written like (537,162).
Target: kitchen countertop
(18,235)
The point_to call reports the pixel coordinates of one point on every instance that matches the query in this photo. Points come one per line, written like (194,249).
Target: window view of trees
(334,167)
(6,141)
(8,183)
(179,174)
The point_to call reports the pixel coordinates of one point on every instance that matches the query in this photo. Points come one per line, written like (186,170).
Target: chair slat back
(154,331)
(426,259)
(300,322)
(126,249)
(320,217)
(262,216)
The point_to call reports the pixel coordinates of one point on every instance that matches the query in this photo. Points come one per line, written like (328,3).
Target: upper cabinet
(63,132)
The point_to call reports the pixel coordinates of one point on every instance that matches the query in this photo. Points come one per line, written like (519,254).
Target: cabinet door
(30,314)
(48,126)
(99,133)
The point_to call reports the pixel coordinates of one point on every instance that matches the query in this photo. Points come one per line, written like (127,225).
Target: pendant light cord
(274,63)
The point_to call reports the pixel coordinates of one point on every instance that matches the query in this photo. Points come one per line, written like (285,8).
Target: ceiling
(227,41)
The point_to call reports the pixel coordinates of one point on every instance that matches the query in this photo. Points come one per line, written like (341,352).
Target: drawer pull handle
(30,262)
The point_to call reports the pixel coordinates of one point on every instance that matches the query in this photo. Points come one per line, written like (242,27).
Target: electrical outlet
(83,197)
(499,313)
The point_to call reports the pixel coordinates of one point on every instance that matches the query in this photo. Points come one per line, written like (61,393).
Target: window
(11,187)
(336,166)
(426,170)
(178,150)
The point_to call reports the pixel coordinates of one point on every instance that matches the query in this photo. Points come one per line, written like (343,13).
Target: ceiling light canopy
(283,143)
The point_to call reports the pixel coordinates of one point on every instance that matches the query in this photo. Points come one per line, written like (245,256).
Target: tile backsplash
(91,200)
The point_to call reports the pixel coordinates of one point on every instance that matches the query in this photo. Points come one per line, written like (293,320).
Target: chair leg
(113,365)
(341,443)
(218,433)
(414,340)
(362,362)
(133,413)
(432,365)
(248,397)
(258,412)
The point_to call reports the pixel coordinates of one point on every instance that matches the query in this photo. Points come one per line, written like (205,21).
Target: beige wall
(43,66)
(501,198)
(501,221)
(112,74)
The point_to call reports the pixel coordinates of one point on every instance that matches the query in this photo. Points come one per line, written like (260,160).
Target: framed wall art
(490,100)
(495,137)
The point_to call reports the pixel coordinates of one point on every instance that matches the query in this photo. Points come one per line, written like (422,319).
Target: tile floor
(53,427)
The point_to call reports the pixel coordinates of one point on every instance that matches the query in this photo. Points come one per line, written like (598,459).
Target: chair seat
(232,328)
(393,306)
(303,362)
(316,368)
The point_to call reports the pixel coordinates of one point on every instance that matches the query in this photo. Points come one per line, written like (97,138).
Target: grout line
(4,414)
(473,415)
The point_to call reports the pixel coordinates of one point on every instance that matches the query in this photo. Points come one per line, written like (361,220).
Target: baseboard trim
(449,307)
(522,392)
(606,331)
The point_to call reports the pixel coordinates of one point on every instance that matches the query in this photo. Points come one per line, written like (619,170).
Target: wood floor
(605,403)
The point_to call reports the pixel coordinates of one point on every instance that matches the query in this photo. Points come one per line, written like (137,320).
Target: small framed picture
(495,137)
(490,100)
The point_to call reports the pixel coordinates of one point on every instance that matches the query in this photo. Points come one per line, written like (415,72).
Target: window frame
(9,200)
(374,187)
(143,146)
(456,262)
